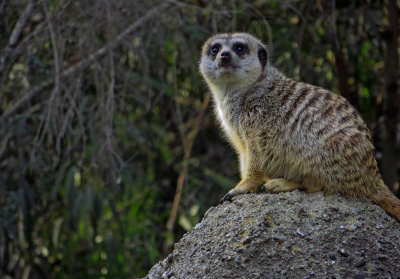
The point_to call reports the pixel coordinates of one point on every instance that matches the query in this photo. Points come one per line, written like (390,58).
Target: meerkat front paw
(279,185)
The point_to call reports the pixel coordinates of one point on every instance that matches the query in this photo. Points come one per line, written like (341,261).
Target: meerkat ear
(262,56)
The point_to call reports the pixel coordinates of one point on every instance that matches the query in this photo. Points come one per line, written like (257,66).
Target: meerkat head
(233,60)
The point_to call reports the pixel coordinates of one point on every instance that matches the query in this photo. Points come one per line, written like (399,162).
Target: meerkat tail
(388,201)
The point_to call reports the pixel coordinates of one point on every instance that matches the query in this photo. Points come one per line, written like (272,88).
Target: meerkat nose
(226,57)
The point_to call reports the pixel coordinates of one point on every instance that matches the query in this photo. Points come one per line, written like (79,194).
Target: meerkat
(288,135)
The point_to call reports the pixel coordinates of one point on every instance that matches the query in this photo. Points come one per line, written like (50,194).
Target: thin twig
(12,56)
(49,114)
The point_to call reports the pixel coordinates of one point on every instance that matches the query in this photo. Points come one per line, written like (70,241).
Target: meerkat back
(289,135)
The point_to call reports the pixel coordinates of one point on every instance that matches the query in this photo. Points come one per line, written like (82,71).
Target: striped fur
(288,134)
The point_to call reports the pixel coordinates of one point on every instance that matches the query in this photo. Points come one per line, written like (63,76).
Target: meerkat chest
(230,130)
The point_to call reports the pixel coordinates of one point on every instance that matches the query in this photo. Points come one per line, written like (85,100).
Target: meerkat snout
(225,58)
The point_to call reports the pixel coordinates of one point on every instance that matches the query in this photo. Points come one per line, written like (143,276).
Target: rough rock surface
(288,235)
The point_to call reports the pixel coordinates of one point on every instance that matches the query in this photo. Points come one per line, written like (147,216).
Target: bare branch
(183,173)
(19,26)
(30,94)
(56,89)
(55,50)
(16,33)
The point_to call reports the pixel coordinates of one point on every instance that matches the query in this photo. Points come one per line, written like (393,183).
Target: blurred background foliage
(109,151)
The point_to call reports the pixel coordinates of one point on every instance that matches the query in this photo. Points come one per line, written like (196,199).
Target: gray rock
(288,235)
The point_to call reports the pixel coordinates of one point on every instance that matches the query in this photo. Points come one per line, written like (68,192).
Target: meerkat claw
(227,197)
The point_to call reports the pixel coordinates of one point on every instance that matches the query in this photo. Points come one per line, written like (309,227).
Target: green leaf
(184,222)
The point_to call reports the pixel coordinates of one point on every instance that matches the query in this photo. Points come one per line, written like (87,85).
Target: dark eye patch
(214,49)
(240,48)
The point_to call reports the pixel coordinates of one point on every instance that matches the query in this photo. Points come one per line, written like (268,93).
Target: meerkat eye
(215,49)
(240,48)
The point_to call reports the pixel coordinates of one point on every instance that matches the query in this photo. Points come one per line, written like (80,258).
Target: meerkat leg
(243,164)
(250,179)
(278,185)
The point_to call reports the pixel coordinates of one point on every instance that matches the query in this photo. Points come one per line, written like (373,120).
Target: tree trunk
(391,100)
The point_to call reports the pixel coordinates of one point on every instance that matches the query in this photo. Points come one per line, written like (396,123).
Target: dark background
(109,150)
